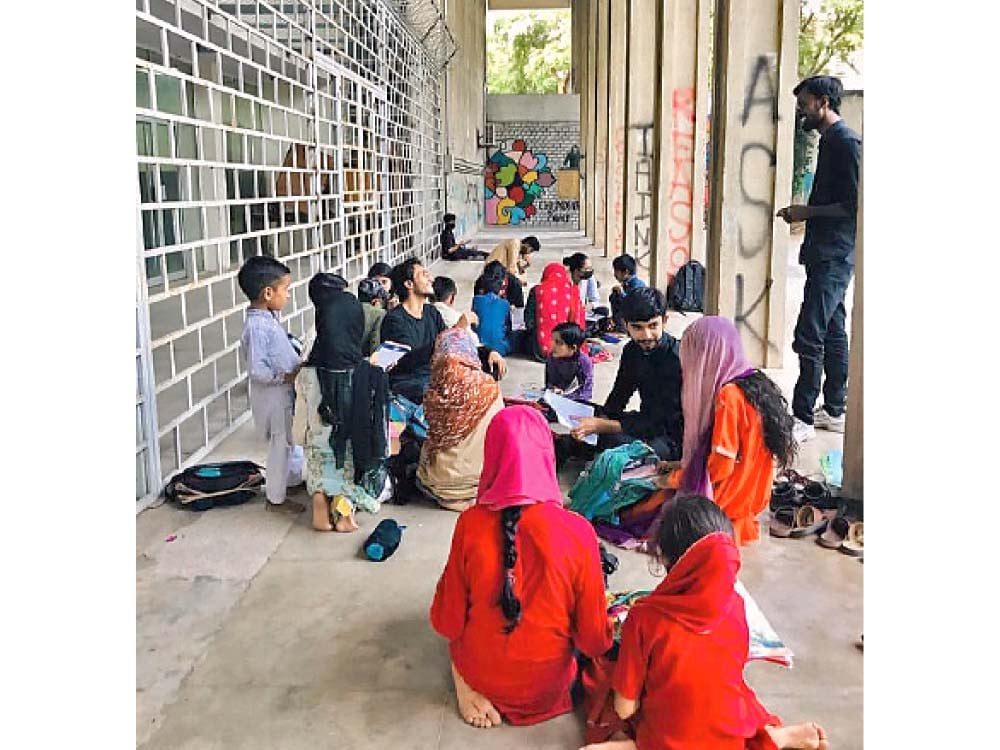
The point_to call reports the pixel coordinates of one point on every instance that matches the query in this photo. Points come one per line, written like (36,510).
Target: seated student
(511,257)
(452,250)
(417,323)
(458,405)
(623,267)
(736,424)
(373,297)
(445,292)
(522,588)
(650,363)
(569,371)
(381,272)
(679,680)
(494,327)
(581,273)
(550,303)
(345,438)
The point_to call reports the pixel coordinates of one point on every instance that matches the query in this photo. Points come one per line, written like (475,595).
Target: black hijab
(340,324)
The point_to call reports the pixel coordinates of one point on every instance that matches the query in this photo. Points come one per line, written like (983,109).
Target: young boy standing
(272,364)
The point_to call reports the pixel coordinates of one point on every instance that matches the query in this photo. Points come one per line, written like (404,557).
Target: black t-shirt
(447,240)
(412,373)
(836,181)
(657,376)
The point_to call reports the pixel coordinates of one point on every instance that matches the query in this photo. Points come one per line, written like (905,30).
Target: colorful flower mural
(514,179)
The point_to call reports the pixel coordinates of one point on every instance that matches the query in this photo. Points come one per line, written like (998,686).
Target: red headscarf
(519,461)
(698,591)
(556,301)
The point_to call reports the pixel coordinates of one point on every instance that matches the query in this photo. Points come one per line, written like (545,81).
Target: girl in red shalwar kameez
(523,584)
(679,676)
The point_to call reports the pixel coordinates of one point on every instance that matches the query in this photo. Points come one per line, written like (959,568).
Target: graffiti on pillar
(513,181)
(618,187)
(643,191)
(757,158)
(680,199)
(741,317)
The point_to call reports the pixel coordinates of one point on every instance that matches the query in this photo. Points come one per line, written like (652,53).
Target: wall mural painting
(514,180)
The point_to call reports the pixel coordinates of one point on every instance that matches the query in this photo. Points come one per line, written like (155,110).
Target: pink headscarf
(519,461)
(711,356)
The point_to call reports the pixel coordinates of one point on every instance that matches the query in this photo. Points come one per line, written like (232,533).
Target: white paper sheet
(568,412)
(389,353)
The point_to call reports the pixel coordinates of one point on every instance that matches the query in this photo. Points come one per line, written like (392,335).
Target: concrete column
(640,136)
(599,183)
(581,27)
(614,237)
(756,49)
(589,147)
(679,138)
(854,429)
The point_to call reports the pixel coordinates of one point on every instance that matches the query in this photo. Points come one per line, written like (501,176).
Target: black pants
(466,253)
(821,340)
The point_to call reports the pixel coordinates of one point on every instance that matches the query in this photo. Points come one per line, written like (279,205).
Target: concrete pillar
(589,147)
(614,237)
(679,141)
(643,74)
(582,53)
(854,429)
(599,183)
(756,49)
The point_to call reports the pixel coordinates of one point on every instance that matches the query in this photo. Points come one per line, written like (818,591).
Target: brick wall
(554,139)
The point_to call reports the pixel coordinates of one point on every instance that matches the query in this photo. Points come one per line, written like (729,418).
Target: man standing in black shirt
(452,250)
(828,254)
(651,364)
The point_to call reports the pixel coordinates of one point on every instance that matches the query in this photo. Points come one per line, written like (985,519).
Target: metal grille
(309,132)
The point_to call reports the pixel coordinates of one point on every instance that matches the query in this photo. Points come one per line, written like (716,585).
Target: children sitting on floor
(623,267)
(454,250)
(272,364)
(523,588)
(569,371)
(736,424)
(445,291)
(678,682)
(494,326)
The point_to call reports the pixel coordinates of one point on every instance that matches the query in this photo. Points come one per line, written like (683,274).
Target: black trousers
(821,340)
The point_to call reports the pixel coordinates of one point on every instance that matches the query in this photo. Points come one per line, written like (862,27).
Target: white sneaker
(822,420)
(802,432)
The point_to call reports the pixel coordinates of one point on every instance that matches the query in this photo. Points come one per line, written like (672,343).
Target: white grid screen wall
(307,131)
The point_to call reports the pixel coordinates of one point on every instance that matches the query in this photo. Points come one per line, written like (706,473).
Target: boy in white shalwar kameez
(272,363)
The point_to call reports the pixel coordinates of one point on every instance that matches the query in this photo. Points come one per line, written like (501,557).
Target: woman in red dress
(523,585)
(678,682)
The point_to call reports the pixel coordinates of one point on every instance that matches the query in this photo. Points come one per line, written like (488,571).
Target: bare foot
(321,513)
(346,524)
(474,707)
(808,736)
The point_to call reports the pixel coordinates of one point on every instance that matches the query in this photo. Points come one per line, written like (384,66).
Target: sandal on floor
(854,544)
(782,521)
(835,534)
(784,493)
(818,494)
(809,520)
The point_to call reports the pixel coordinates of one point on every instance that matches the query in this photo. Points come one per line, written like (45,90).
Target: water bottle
(384,540)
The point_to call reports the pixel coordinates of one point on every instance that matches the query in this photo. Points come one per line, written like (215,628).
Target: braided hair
(510,604)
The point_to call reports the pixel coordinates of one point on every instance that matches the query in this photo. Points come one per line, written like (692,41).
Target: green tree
(529,53)
(829,31)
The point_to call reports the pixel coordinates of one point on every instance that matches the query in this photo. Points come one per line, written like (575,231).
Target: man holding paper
(650,363)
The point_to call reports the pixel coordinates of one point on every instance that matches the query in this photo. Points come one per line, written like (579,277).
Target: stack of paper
(569,412)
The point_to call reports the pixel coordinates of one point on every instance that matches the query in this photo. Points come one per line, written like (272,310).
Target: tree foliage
(829,31)
(529,53)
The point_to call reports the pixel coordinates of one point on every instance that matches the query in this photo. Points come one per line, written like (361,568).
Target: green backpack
(600,492)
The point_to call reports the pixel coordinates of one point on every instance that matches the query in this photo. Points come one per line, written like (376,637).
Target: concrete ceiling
(527,4)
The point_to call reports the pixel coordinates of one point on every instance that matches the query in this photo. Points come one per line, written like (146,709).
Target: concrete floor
(253,631)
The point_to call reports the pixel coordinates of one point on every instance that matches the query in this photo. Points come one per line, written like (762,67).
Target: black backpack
(687,290)
(211,485)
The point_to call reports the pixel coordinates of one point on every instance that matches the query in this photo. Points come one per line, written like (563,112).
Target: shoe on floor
(289,506)
(822,420)
(802,432)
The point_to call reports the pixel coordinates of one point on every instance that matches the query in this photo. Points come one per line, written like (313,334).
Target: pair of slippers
(793,489)
(845,535)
